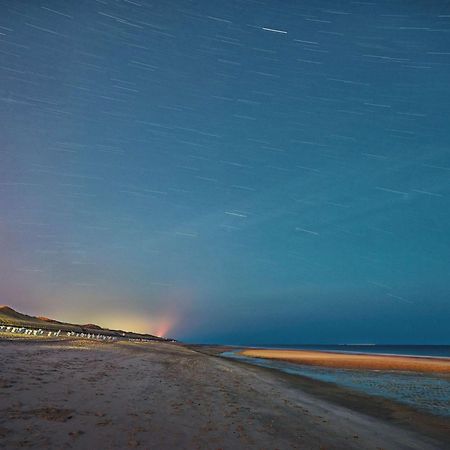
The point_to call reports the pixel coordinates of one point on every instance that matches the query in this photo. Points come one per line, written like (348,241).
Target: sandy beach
(354,361)
(82,394)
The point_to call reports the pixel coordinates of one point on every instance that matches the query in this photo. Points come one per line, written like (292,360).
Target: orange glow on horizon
(159,324)
(164,327)
(156,325)
(111,312)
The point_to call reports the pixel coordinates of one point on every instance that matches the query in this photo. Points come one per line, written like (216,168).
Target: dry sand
(87,395)
(354,361)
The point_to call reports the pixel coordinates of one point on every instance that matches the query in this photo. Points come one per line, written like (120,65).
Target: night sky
(232,171)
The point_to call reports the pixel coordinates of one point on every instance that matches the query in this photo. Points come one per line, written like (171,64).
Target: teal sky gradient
(238,171)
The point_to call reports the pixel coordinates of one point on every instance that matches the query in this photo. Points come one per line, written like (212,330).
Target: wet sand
(82,394)
(354,361)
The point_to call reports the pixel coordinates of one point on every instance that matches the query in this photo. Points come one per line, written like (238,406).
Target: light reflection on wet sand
(429,393)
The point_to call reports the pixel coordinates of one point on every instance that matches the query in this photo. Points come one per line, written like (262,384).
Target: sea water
(424,392)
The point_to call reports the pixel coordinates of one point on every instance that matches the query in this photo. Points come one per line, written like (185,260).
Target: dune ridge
(9,316)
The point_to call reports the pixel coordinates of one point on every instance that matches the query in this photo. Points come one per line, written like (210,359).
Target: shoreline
(345,352)
(383,408)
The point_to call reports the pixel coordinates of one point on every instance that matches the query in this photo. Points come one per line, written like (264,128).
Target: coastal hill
(9,316)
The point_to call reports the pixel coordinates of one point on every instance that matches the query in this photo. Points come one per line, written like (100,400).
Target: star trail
(239,171)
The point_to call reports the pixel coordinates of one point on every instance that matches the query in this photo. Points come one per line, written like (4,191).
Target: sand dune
(9,316)
(353,361)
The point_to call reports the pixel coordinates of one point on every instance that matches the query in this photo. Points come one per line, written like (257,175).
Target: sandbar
(354,361)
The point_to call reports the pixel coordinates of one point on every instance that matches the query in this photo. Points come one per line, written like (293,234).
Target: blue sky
(241,171)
